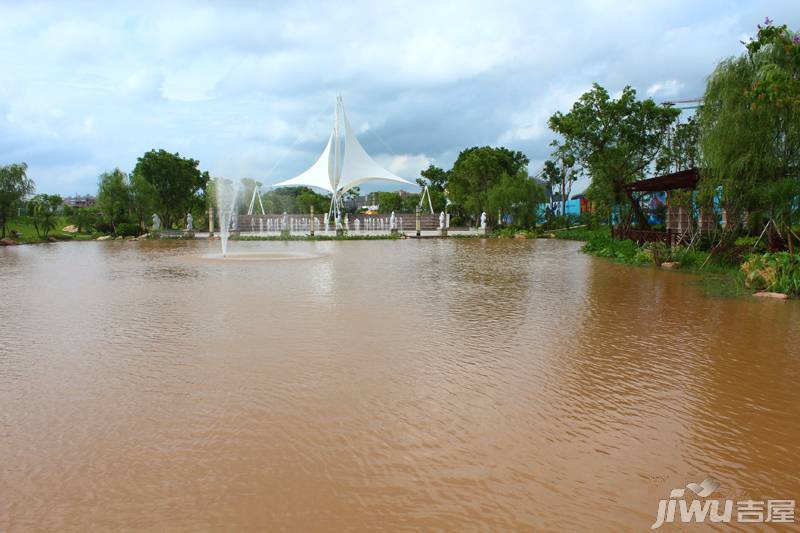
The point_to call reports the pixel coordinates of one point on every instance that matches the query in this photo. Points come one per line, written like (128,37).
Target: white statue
(441,220)
(156,222)
(392,221)
(483,220)
(189,222)
(327,219)
(346,222)
(358,225)
(285,221)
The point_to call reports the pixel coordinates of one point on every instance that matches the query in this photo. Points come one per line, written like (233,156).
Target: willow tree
(114,197)
(750,133)
(616,140)
(517,195)
(14,185)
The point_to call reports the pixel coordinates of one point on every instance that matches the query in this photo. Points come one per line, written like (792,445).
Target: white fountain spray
(226,192)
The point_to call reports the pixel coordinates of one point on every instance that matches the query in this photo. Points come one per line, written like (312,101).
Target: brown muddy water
(388,385)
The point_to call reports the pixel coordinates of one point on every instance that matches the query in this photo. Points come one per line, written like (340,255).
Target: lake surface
(456,385)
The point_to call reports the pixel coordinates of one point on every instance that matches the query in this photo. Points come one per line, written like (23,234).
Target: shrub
(602,245)
(750,243)
(581,234)
(778,272)
(126,229)
(508,232)
(659,252)
(708,240)
(103,227)
(688,259)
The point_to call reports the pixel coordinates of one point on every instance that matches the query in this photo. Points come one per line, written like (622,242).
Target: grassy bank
(22,230)
(580,234)
(741,270)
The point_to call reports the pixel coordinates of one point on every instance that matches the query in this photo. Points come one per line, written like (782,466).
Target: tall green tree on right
(750,133)
(616,140)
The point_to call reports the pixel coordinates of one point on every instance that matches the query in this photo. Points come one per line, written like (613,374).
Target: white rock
(773,295)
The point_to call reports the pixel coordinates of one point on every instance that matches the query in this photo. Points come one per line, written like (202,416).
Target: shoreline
(718,279)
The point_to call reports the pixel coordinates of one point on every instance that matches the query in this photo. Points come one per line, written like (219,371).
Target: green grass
(773,271)
(716,276)
(512,232)
(579,234)
(24,226)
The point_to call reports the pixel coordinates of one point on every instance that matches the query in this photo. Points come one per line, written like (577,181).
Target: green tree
(517,195)
(681,149)
(410,203)
(775,55)
(14,185)
(143,200)
(247,187)
(560,172)
(616,140)
(476,171)
(83,218)
(114,197)
(279,200)
(44,210)
(350,199)
(306,197)
(389,201)
(750,133)
(435,179)
(176,180)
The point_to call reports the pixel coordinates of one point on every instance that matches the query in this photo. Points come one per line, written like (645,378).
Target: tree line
(744,140)
(162,182)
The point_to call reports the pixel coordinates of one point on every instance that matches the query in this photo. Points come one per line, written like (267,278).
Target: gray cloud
(248,88)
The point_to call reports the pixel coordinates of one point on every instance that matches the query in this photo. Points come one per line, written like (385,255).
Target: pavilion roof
(684,179)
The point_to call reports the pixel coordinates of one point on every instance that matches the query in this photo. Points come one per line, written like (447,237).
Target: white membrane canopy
(357,166)
(319,175)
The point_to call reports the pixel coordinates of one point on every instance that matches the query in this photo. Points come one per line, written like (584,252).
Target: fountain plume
(226,193)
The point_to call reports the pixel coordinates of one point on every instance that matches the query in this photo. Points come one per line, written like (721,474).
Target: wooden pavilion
(679,220)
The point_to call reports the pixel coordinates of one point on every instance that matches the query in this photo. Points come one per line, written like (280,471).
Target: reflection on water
(462,384)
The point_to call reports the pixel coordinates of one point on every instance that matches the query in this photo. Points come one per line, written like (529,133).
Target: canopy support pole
(426,192)
(253,202)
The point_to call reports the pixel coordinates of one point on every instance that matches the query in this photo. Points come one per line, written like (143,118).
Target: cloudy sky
(248,88)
